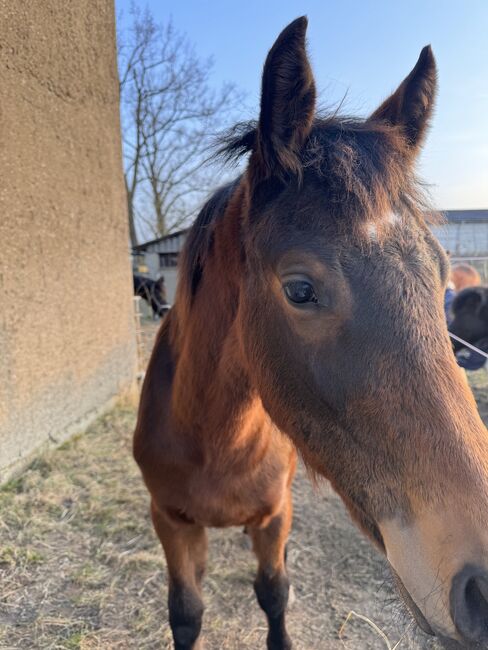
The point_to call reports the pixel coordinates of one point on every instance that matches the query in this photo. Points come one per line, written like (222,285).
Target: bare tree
(169,115)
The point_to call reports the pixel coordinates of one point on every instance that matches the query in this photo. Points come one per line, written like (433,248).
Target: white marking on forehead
(371,228)
(372,231)
(393,218)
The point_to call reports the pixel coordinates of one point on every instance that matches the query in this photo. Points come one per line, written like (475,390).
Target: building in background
(465,235)
(67,335)
(159,258)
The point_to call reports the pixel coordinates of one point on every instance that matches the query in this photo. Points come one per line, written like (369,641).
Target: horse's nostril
(469,604)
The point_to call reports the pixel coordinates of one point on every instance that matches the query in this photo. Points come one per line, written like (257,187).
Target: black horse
(470,322)
(153,292)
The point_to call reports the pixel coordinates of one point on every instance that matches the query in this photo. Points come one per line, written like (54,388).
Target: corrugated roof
(142,247)
(457,216)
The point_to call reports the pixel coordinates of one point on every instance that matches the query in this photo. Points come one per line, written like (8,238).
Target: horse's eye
(299,292)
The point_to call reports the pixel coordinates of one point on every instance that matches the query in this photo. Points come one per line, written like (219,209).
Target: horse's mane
(200,237)
(197,247)
(366,171)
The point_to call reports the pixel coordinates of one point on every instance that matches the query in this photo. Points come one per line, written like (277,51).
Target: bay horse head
(339,316)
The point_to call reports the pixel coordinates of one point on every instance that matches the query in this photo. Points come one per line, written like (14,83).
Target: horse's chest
(238,477)
(218,498)
(234,500)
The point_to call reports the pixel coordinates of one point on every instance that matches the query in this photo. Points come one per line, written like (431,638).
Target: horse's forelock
(364,165)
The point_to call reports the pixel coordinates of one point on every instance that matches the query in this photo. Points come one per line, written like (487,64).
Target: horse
(309,315)
(153,292)
(470,323)
(464,275)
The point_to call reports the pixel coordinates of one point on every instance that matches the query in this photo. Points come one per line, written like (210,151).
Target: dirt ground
(80,566)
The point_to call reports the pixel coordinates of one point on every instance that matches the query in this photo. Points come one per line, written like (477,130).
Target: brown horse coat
(311,299)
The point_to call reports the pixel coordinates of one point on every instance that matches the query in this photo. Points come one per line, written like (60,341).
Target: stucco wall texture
(67,343)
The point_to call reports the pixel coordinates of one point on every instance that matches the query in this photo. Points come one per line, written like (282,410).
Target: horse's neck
(211,389)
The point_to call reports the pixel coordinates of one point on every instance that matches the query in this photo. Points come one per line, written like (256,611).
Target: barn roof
(458,216)
(142,247)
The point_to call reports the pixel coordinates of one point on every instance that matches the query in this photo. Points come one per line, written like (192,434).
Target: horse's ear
(411,105)
(287,104)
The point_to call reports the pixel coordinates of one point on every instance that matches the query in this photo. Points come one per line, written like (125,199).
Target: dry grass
(80,567)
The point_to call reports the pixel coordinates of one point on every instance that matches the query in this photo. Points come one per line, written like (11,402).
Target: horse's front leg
(272,584)
(185,547)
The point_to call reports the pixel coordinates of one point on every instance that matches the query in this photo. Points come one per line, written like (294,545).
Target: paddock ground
(80,566)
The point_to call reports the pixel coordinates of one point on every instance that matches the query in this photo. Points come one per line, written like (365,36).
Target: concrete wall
(67,343)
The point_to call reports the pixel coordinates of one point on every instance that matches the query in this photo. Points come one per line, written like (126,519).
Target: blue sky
(364,48)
